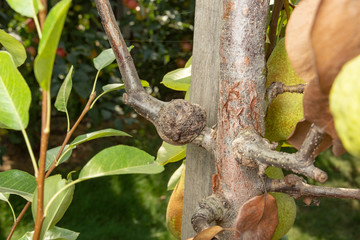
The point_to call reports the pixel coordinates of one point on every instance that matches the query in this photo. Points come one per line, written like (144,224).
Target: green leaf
(28,8)
(120,159)
(18,182)
(53,26)
(178,79)
(55,233)
(14,47)
(4,197)
(189,62)
(57,207)
(15,95)
(105,58)
(175,177)
(97,134)
(115,86)
(170,153)
(64,93)
(52,153)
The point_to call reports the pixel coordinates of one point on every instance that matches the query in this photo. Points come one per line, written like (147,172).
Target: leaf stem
(95,81)
(22,213)
(31,153)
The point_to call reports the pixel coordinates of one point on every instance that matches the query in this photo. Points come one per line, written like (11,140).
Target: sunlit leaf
(105,58)
(57,207)
(55,233)
(120,159)
(97,134)
(116,86)
(174,179)
(64,93)
(178,79)
(170,153)
(14,47)
(15,96)
(18,182)
(28,8)
(48,44)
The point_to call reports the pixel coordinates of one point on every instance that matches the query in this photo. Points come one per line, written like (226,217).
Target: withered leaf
(257,221)
(297,137)
(208,233)
(298,42)
(316,108)
(335,38)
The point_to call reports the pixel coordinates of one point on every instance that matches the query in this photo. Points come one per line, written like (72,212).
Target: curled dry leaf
(297,137)
(297,39)
(208,233)
(335,38)
(256,220)
(317,111)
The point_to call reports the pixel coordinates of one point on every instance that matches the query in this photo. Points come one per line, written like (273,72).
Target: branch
(253,150)
(278,5)
(214,208)
(296,187)
(277,88)
(177,122)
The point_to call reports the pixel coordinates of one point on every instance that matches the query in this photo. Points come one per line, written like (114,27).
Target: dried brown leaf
(335,38)
(297,137)
(298,41)
(316,108)
(208,233)
(257,221)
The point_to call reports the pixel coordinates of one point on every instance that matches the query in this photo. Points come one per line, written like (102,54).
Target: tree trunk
(228,79)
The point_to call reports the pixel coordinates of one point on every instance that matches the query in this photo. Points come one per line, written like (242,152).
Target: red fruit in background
(31,50)
(30,25)
(180,62)
(186,46)
(35,40)
(61,52)
(131,4)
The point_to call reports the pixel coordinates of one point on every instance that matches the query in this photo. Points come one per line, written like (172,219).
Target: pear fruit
(286,206)
(175,208)
(287,108)
(345,105)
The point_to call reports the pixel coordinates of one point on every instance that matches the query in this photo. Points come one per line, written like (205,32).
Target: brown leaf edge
(257,218)
(335,38)
(208,234)
(298,41)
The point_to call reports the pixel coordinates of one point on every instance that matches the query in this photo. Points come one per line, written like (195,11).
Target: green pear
(345,105)
(286,206)
(286,109)
(175,208)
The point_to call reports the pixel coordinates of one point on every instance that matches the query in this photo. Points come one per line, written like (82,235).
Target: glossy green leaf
(120,159)
(48,44)
(14,47)
(170,153)
(57,207)
(175,177)
(28,8)
(178,79)
(189,62)
(64,93)
(105,58)
(97,134)
(18,182)
(52,153)
(55,233)
(116,86)
(15,96)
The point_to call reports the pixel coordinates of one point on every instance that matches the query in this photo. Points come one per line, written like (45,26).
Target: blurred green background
(134,206)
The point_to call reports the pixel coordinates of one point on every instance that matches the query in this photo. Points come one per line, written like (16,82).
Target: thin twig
(277,88)
(311,143)
(278,5)
(296,187)
(53,166)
